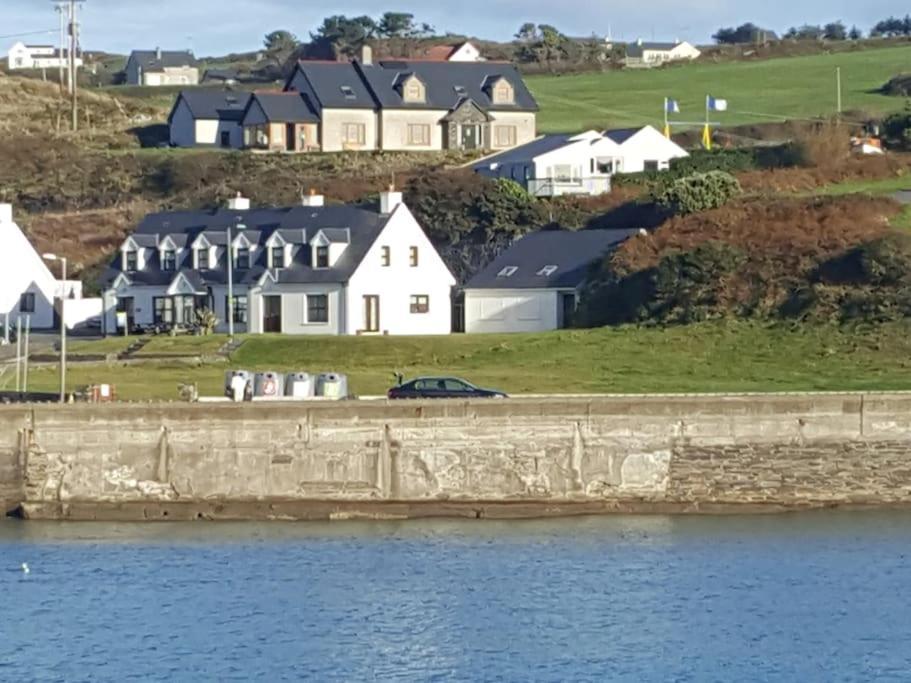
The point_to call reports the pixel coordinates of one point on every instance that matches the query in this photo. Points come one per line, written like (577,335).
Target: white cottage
(22,56)
(308,269)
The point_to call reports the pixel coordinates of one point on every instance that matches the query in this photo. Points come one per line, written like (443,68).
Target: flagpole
(667,128)
(707,133)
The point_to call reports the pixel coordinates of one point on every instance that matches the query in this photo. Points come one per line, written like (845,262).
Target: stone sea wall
(511,458)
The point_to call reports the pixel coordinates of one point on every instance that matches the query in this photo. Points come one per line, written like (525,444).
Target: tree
(835,31)
(889,28)
(396,25)
(745,33)
(805,32)
(855,33)
(344,35)
(279,45)
(527,32)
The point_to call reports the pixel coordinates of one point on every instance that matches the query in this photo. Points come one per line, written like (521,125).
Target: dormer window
(131,261)
(508,271)
(413,90)
(547,271)
(503,92)
(277,257)
(322,257)
(202,259)
(169,260)
(242,258)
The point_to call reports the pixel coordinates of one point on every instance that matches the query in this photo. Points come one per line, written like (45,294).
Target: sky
(217,27)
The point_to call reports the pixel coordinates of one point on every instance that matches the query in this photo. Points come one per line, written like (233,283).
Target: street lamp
(62,259)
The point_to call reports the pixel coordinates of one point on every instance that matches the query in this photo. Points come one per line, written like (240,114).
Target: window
(605,166)
(163,307)
(650,166)
(322,257)
(414,91)
(420,303)
(505,136)
(419,134)
(385,257)
(277,257)
(131,261)
(202,259)
(413,257)
(317,308)
(354,133)
(240,308)
(242,258)
(502,92)
(225,138)
(563,173)
(547,271)
(508,271)
(169,260)
(27,303)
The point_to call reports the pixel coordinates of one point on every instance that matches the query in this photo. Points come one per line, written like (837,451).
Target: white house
(308,269)
(647,54)
(22,56)
(161,67)
(460,52)
(534,285)
(208,118)
(583,163)
(27,286)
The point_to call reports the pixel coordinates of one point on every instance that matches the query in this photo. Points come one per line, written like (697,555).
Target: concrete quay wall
(512,458)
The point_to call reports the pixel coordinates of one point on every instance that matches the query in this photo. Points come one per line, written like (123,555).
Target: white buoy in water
(25,569)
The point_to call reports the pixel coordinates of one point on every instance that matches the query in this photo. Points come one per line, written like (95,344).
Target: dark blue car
(441,387)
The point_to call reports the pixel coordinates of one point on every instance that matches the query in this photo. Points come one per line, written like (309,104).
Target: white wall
(332,128)
(523,310)
(77,312)
(524,122)
(294,308)
(649,145)
(467,53)
(397,283)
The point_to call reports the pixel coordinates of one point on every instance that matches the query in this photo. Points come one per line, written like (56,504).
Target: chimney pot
(313,199)
(239,203)
(390,200)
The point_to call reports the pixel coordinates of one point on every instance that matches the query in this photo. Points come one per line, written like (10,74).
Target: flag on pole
(717,105)
(671,106)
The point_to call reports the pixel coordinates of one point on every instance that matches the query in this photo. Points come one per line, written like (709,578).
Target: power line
(27,33)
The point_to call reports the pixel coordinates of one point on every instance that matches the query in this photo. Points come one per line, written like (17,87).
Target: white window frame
(306,315)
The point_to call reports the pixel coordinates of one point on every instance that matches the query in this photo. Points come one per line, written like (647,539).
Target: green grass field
(710,357)
(759,91)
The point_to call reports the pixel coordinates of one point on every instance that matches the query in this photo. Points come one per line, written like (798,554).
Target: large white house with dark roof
(308,269)
(647,54)
(535,284)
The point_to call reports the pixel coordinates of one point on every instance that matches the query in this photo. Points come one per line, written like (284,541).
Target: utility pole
(838,90)
(230,266)
(74,39)
(62,46)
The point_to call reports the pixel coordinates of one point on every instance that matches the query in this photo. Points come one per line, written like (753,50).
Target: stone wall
(509,458)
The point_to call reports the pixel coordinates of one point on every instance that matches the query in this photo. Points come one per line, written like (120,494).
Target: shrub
(698,192)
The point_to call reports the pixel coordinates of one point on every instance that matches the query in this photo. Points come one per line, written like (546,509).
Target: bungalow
(581,163)
(22,56)
(308,269)
(208,118)
(534,285)
(27,286)
(161,67)
(646,54)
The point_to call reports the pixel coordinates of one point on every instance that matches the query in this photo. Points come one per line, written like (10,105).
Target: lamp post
(230,266)
(62,259)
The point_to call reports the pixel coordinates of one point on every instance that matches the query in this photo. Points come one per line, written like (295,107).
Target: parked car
(441,387)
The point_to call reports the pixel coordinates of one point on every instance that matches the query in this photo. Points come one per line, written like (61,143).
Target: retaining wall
(486,458)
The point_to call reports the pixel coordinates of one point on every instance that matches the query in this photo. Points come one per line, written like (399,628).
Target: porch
(282,137)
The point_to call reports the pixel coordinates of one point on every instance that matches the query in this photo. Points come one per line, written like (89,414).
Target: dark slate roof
(447,83)
(621,135)
(149,61)
(297,223)
(224,105)
(327,80)
(527,152)
(636,49)
(572,252)
(285,107)
(220,75)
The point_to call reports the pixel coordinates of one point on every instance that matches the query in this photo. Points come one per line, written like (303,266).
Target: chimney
(639,42)
(6,213)
(313,199)
(239,203)
(389,200)
(158,53)
(366,54)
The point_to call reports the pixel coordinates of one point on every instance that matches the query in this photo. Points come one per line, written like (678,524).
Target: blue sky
(214,27)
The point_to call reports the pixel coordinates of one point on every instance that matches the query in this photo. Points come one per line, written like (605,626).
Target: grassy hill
(768,90)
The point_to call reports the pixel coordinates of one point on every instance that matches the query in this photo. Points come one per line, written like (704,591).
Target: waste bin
(246,375)
(299,385)
(268,385)
(332,385)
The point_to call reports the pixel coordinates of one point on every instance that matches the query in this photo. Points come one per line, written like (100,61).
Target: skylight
(508,271)
(348,92)
(547,271)
(459,90)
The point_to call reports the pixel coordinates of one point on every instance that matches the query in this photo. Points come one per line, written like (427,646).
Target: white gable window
(169,260)
(130,260)
(321,257)
(277,256)
(503,92)
(508,271)
(547,271)
(202,259)
(413,90)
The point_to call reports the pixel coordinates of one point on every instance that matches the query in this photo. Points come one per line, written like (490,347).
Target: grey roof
(285,107)
(572,252)
(149,60)
(375,86)
(294,224)
(223,105)
(220,75)
(621,135)
(636,49)
(337,235)
(526,152)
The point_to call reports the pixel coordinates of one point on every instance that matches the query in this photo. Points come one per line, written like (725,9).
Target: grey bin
(332,385)
(299,385)
(268,385)
(231,374)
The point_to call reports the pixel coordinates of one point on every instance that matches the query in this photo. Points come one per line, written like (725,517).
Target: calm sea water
(813,597)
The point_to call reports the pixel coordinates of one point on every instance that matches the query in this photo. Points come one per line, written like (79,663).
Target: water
(800,597)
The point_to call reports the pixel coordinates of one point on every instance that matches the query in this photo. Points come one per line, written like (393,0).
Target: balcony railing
(553,187)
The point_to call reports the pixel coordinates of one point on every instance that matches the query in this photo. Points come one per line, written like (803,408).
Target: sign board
(121,319)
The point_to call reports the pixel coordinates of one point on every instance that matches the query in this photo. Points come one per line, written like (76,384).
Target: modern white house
(581,163)
(535,284)
(648,54)
(22,56)
(307,269)
(208,118)
(161,67)
(29,288)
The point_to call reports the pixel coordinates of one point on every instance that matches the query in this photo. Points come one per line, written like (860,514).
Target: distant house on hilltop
(22,56)
(458,52)
(646,54)
(161,67)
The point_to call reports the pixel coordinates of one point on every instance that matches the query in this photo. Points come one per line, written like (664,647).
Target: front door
(371,313)
(127,305)
(569,310)
(470,136)
(290,137)
(272,314)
